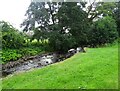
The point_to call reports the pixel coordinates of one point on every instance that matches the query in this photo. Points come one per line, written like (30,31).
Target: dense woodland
(61,26)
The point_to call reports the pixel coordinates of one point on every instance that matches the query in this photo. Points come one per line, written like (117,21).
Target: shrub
(61,42)
(11,38)
(10,55)
(103,31)
(29,51)
(15,54)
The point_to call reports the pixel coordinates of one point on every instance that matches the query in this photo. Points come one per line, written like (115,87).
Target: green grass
(96,69)
(0,84)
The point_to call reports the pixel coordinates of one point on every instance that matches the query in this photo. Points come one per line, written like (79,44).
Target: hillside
(95,69)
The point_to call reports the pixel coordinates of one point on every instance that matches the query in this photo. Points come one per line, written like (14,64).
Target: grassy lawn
(96,69)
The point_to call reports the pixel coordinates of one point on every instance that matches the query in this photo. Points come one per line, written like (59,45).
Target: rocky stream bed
(38,61)
(27,63)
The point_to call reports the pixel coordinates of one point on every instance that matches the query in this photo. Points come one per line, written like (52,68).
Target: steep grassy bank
(96,69)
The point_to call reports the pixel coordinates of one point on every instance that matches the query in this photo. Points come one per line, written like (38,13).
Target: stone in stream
(45,61)
(26,63)
(68,55)
(31,61)
(39,64)
(5,73)
(54,58)
(80,49)
(72,51)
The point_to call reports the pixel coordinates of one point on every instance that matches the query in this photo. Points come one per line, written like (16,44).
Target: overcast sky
(13,11)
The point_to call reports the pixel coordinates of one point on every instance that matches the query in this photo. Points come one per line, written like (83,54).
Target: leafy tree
(100,9)
(117,16)
(74,20)
(61,42)
(11,38)
(36,13)
(103,31)
(63,22)
(40,16)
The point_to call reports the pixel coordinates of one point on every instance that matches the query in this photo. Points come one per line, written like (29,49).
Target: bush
(29,51)
(11,38)
(10,55)
(15,54)
(61,42)
(103,31)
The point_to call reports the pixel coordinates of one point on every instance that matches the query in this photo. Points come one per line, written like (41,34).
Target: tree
(40,15)
(36,13)
(73,19)
(11,38)
(40,18)
(63,22)
(117,16)
(100,9)
(103,31)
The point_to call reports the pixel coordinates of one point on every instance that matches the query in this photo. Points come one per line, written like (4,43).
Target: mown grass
(96,69)
(0,84)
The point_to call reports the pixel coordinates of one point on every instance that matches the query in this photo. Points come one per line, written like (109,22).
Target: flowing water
(38,61)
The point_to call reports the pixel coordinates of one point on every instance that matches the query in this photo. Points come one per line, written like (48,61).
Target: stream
(38,61)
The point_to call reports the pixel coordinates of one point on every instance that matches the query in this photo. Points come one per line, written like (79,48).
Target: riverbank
(95,69)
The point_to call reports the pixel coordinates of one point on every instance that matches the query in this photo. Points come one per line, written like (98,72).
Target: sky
(13,11)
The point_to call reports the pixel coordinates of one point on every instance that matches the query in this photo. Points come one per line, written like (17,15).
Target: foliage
(74,19)
(103,31)
(14,54)
(38,14)
(117,16)
(40,35)
(60,19)
(11,38)
(97,9)
(115,43)
(15,44)
(96,69)
(10,55)
(29,51)
(0,56)
(61,42)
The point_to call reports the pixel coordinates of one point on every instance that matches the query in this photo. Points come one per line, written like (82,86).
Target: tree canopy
(62,22)
(11,37)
